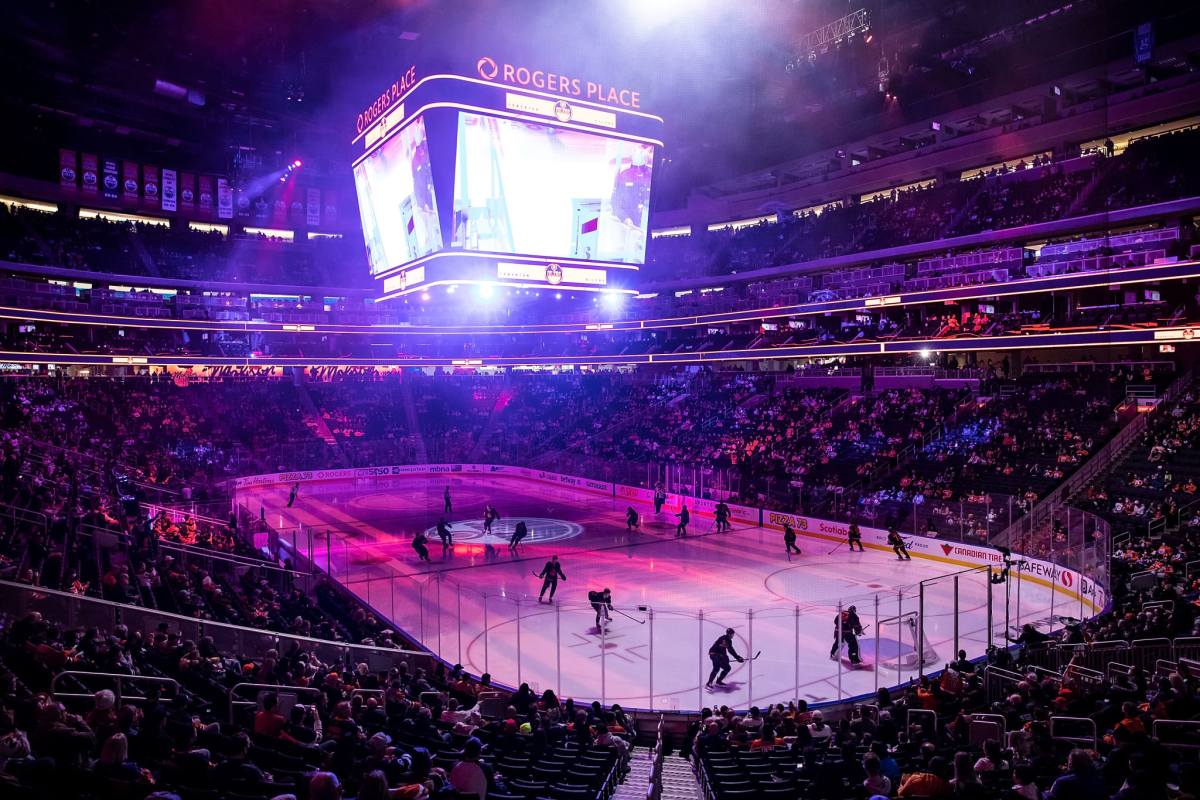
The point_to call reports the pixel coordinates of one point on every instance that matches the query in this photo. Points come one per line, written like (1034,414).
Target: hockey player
(602,603)
(846,629)
(897,543)
(418,544)
(443,532)
(550,575)
(631,520)
(854,536)
(719,654)
(789,540)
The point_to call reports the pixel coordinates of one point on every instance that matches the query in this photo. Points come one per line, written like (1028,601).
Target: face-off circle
(541,530)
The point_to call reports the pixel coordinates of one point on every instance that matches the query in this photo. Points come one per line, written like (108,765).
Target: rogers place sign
(385,100)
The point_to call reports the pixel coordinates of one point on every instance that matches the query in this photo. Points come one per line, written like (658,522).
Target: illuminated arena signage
(489,70)
(385,100)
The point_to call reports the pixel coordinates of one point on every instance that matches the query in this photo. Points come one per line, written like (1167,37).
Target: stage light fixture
(558,296)
(486,290)
(925,354)
(296,163)
(424,295)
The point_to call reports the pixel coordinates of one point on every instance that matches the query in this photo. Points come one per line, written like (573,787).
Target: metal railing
(119,679)
(264,688)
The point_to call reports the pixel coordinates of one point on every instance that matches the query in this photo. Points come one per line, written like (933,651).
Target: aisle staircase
(312,416)
(412,423)
(147,260)
(678,780)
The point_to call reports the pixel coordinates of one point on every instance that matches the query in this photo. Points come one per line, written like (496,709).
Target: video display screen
(535,189)
(396,200)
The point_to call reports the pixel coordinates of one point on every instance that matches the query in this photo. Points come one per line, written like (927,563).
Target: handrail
(1075,739)
(120,678)
(234,703)
(1175,723)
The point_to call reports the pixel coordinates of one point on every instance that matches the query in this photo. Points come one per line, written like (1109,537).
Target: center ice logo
(540,530)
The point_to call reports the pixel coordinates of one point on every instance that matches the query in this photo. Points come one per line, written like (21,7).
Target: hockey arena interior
(622,400)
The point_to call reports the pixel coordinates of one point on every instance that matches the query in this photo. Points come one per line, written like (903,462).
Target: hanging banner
(110,183)
(169,190)
(241,204)
(224,199)
(1143,43)
(129,187)
(314,207)
(283,198)
(206,197)
(91,176)
(262,208)
(330,206)
(296,205)
(67,176)
(187,192)
(150,188)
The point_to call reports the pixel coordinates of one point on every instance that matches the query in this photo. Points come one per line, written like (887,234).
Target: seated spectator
(114,762)
(1081,781)
(472,775)
(267,722)
(236,768)
(875,783)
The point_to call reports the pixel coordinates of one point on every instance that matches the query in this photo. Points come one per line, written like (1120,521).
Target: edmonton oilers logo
(110,182)
(563,110)
(243,201)
(540,530)
(188,196)
(206,198)
(131,186)
(151,189)
(554,274)
(68,174)
(89,177)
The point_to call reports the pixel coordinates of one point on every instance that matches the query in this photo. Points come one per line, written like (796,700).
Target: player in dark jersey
(519,533)
(897,543)
(719,654)
(602,603)
(443,532)
(846,629)
(722,515)
(789,540)
(418,544)
(685,517)
(631,519)
(446,497)
(490,515)
(854,536)
(550,575)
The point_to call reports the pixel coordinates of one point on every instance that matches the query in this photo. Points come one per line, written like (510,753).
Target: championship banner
(206,197)
(262,208)
(169,190)
(187,192)
(330,206)
(150,188)
(91,175)
(224,199)
(241,206)
(283,199)
(129,186)
(314,207)
(110,182)
(67,177)
(296,205)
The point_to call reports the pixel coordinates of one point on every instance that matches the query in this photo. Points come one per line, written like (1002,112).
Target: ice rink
(476,603)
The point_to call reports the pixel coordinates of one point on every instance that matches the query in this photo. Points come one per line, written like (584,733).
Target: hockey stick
(623,614)
(839,544)
(756,655)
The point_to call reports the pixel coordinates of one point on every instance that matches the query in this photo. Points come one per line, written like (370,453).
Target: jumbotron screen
(397,201)
(534,189)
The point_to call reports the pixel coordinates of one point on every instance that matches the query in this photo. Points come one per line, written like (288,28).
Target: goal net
(913,650)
